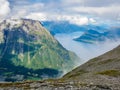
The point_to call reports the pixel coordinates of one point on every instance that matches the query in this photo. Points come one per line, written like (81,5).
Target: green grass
(114,73)
(8,73)
(73,75)
(33,78)
(108,61)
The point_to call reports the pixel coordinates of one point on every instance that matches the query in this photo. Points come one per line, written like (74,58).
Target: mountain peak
(28,45)
(12,23)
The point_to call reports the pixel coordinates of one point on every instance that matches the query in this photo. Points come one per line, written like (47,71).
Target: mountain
(100,73)
(103,31)
(29,51)
(62,27)
(94,36)
(91,36)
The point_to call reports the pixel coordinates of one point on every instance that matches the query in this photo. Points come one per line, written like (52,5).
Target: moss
(5,85)
(76,74)
(8,73)
(114,73)
(19,85)
(92,62)
(33,78)
(108,61)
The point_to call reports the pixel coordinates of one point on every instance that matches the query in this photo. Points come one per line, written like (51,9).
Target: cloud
(92,20)
(76,19)
(94,10)
(76,12)
(37,16)
(26,10)
(90,3)
(4,8)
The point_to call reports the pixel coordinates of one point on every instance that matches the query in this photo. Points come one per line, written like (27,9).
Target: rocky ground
(54,85)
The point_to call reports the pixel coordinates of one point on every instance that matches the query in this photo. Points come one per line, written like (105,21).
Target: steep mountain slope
(103,70)
(28,50)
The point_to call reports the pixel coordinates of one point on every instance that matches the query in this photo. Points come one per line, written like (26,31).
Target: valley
(59,44)
(84,49)
(100,73)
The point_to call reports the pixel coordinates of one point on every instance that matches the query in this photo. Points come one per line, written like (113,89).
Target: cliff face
(29,51)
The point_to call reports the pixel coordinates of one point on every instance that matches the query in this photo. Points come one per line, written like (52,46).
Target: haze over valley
(98,37)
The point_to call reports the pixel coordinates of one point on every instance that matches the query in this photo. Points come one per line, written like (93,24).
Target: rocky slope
(103,70)
(29,51)
(101,73)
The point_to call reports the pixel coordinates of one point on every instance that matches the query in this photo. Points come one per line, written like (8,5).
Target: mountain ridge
(28,45)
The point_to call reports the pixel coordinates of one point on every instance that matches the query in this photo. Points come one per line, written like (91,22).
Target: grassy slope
(103,70)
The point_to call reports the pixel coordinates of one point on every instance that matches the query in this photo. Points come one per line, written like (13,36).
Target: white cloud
(76,19)
(19,14)
(90,3)
(4,8)
(79,21)
(71,2)
(73,19)
(75,12)
(37,16)
(98,10)
(26,10)
(72,11)
(92,20)
(106,12)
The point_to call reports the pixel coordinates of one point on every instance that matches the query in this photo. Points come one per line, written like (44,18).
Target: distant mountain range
(93,36)
(29,52)
(62,27)
(92,33)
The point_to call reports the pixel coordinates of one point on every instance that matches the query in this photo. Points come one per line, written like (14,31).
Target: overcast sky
(77,11)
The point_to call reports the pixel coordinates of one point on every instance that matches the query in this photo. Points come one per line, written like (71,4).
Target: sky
(77,11)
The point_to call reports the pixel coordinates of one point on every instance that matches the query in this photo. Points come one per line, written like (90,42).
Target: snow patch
(13,22)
